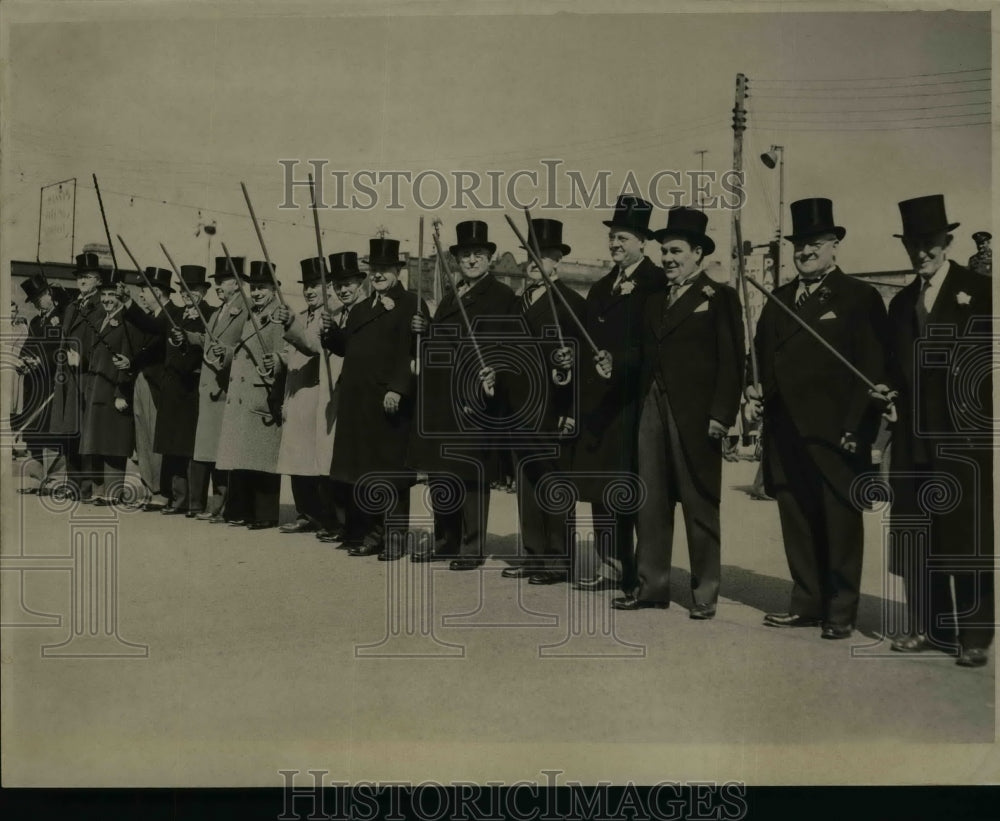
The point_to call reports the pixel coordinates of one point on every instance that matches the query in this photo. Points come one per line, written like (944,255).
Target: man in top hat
(146,310)
(982,261)
(225,328)
(542,415)
(177,421)
(108,424)
(820,420)
(373,425)
(309,412)
(37,362)
(942,350)
(609,414)
(251,423)
(692,367)
(447,446)
(79,325)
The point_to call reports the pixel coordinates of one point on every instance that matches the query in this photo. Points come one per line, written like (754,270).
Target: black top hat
(194,276)
(312,271)
(814,216)
(384,252)
(160,278)
(259,274)
(981,236)
(344,265)
(549,235)
(632,214)
(472,234)
(88,263)
(688,224)
(923,216)
(34,286)
(111,279)
(222,269)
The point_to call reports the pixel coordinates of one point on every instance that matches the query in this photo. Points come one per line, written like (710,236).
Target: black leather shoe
(547,577)
(837,631)
(207,516)
(972,657)
(469,563)
(193,514)
(789,620)
(217,519)
(519,572)
(392,554)
(594,585)
(266,524)
(632,603)
(149,507)
(236,522)
(921,644)
(298,526)
(172,511)
(431,556)
(701,612)
(335,534)
(365,549)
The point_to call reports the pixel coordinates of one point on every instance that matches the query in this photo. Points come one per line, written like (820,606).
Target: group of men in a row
(626,396)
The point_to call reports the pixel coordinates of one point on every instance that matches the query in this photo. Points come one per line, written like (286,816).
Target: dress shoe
(921,644)
(298,526)
(98,502)
(149,507)
(519,572)
(972,657)
(789,620)
(392,554)
(547,577)
(466,563)
(335,534)
(632,603)
(837,631)
(431,556)
(236,522)
(701,612)
(206,516)
(365,549)
(28,491)
(265,524)
(172,511)
(216,519)
(193,514)
(596,584)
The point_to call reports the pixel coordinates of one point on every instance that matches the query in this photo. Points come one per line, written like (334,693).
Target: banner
(57,221)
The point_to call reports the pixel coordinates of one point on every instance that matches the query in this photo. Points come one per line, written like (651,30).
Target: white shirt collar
(935,279)
(626,273)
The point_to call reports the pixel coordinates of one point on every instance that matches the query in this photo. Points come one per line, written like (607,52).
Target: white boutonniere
(54,320)
(387,302)
(708,291)
(962,298)
(627,287)
(234,311)
(114,323)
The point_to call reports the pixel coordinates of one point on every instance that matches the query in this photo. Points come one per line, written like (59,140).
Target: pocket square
(700,308)
(828,315)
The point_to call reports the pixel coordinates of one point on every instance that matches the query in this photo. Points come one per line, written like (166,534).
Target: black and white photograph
(549,394)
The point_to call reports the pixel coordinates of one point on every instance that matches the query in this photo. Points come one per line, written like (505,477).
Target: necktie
(922,309)
(343,317)
(622,279)
(529,295)
(805,292)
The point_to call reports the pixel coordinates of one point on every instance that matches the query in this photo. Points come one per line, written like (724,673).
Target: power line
(853,95)
(875,110)
(862,79)
(849,122)
(834,127)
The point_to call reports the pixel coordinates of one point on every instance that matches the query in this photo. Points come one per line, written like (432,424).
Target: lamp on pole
(776,156)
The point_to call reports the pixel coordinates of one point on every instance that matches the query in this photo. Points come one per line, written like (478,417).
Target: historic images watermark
(310,795)
(551,186)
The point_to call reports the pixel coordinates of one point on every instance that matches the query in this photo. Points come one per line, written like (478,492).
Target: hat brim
(836,230)
(916,235)
(643,233)
(703,241)
(489,246)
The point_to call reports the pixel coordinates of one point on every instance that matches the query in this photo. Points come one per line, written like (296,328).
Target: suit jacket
(151,349)
(609,408)
(79,324)
(945,402)
(42,342)
(377,347)
(177,416)
(447,354)
(694,351)
(810,398)
(106,430)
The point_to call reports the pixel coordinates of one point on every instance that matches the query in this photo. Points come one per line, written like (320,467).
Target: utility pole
(739,126)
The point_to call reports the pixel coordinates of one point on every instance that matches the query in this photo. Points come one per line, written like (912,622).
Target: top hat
(472,234)
(549,235)
(259,274)
(194,276)
(811,217)
(88,263)
(312,271)
(111,278)
(924,216)
(981,236)
(159,278)
(222,269)
(632,214)
(34,286)
(688,224)
(344,265)
(384,252)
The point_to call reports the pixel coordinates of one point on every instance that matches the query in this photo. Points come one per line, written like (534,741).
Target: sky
(172,113)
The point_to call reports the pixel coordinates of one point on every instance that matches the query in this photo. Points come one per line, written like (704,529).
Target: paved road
(242,653)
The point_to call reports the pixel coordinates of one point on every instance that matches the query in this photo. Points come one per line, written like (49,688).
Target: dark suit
(44,333)
(692,362)
(943,437)
(609,408)
(810,401)
(469,453)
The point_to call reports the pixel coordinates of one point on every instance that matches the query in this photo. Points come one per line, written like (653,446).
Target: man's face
(815,255)
(679,258)
(313,294)
(983,245)
(87,283)
(110,300)
(44,302)
(550,260)
(348,290)
(384,277)
(261,293)
(625,247)
(196,295)
(927,253)
(474,262)
(226,288)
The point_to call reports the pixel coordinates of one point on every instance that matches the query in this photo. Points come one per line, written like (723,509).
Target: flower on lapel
(387,302)
(54,321)
(627,287)
(114,323)
(824,294)
(708,291)
(235,310)
(962,298)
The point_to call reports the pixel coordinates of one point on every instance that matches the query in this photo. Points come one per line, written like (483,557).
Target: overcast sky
(182,110)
